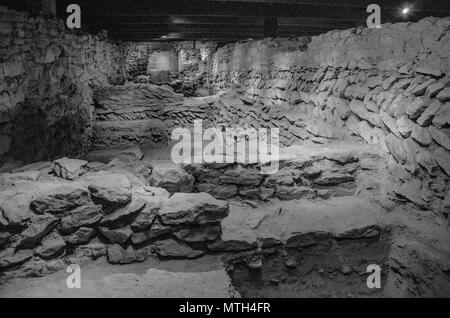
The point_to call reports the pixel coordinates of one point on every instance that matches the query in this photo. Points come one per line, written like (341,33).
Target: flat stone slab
(277,222)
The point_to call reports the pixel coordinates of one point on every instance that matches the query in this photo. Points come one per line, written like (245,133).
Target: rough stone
(282,177)
(441,137)
(411,193)
(61,199)
(9,258)
(70,169)
(110,198)
(155,231)
(146,217)
(416,108)
(426,118)
(198,234)
(245,177)
(218,191)
(192,208)
(421,135)
(442,158)
(124,216)
(171,177)
(119,236)
(360,110)
(93,250)
(294,193)
(52,246)
(442,117)
(405,126)
(444,95)
(390,123)
(84,216)
(172,249)
(119,255)
(40,226)
(82,236)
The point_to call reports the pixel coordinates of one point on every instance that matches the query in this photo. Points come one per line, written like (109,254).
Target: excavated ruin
(363,170)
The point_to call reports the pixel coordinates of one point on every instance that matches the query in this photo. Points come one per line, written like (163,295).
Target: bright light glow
(406,10)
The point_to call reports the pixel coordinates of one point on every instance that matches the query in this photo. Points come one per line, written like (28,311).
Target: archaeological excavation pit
(224,149)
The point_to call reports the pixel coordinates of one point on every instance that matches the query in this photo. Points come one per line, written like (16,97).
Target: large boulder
(171,177)
(192,208)
(70,169)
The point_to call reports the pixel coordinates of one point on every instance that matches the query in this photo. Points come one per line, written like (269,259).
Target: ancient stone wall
(388,86)
(145,114)
(46,75)
(136,59)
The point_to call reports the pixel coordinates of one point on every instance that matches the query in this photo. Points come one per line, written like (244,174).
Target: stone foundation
(373,85)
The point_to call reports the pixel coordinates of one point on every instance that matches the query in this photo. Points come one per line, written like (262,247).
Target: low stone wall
(46,74)
(145,114)
(389,87)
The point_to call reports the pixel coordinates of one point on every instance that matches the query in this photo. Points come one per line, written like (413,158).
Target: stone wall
(145,114)
(182,65)
(388,86)
(46,75)
(136,59)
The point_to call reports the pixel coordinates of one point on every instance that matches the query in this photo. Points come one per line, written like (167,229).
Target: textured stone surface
(39,227)
(123,216)
(82,236)
(171,177)
(61,199)
(53,245)
(85,216)
(119,236)
(154,231)
(46,86)
(192,208)
(67,168)
(110,197)
(119,255)
(173,249)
